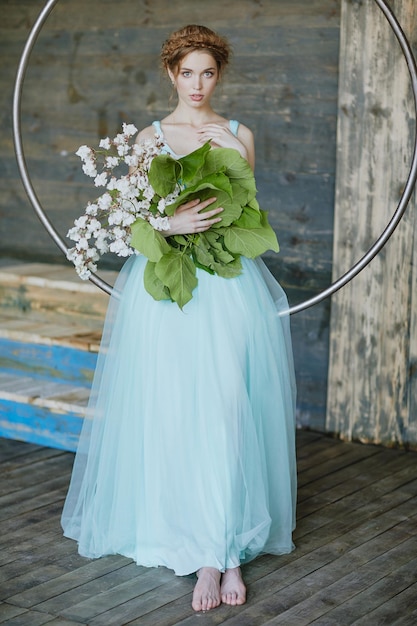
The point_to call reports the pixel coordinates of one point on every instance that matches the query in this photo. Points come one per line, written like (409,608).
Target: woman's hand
(222,137)
(188,219)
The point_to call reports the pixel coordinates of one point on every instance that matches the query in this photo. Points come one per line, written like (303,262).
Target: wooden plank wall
(94,66)
(372,375)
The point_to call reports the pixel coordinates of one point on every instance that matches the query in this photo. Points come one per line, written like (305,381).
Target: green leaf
(250,218)
(250,242)
(182,240)
(153,285)
(203,267)
(192,164)
(229,270)
(148,241)
(236,167)
(177,271)
(203,256)
(216,248)
(164,174)
(254,204)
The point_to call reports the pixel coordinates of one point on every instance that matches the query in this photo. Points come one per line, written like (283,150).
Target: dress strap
(234,126)
(157,125)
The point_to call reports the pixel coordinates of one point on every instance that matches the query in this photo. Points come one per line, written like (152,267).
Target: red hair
(190,38)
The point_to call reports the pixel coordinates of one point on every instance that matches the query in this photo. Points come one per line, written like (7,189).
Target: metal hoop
(338,284)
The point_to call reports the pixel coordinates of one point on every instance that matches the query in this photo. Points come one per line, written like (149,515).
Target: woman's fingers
(196,205)
(189,218)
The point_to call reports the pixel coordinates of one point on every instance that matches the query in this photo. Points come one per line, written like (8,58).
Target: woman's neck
(192,117)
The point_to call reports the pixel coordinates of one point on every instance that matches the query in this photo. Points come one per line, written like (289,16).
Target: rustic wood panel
(94,66)
(371,391)
(355,556)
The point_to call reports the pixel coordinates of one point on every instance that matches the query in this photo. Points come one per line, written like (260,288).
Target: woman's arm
(187,218)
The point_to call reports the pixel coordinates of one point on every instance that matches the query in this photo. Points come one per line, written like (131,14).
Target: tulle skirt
(187,457)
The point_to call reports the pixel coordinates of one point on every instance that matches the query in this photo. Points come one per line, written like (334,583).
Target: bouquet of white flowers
(129,216)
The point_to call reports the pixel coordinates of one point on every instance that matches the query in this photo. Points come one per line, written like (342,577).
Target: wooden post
(373,345)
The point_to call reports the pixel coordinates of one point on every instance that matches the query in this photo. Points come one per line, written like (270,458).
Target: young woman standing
(189,460)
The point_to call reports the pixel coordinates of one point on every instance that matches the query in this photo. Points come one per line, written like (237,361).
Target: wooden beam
(373,345)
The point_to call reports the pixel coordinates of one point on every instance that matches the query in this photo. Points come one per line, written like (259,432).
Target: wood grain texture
(371,390)
(95,65)
(355,556)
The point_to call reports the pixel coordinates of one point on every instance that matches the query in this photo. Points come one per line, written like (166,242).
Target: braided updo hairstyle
(190,38)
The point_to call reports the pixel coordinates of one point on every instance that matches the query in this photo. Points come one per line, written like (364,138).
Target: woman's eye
(208,74)
(186,74)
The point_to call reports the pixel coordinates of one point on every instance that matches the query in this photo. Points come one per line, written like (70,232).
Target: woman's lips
(196,97)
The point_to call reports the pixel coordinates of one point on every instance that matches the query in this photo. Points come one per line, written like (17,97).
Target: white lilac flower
(93,254)
(89,168)
(115,217)
(131,160)
(82,244)
(94,227)
(128,219)
(119,233)
(148,192)
(71,254)
(81,222)
(91,209)
(119,247)
(74,234)
(131,197)
(102,246)
(122,185)
(105,143)
(129,129)
(111,161)
(123,149)
(162,205)
(137,148)
(84,152)
(104,201)
(101,180)
(159,223)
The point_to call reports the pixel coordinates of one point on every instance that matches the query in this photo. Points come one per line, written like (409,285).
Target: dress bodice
(233,125)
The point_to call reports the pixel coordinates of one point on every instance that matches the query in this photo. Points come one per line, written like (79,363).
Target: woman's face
(196,78)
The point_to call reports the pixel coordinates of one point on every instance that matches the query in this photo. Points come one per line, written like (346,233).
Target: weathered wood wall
(372,389)
(95,65)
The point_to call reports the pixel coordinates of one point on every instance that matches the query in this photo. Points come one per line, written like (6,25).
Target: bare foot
(206,594)
(233,590)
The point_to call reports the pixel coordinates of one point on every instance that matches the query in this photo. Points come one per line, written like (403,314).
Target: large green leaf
(250,242)
(215,245)
(177,271)
(203,254)
(164,174)
(250,218)
(153,285)
(192,164)
(148,241)
(229,270)
(236,167)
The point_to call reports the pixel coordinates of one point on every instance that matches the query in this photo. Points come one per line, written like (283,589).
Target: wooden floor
(355,561)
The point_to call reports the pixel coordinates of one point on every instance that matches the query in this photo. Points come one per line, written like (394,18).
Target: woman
(189,459)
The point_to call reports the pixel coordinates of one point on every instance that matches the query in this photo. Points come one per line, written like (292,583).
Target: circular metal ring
(339,283)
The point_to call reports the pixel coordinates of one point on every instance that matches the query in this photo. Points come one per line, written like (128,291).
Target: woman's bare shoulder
(145,134)
(244,132)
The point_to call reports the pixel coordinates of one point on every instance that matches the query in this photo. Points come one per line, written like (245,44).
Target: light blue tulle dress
(187,456)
